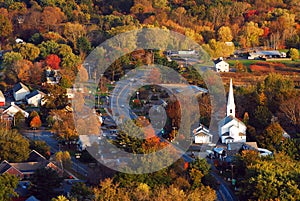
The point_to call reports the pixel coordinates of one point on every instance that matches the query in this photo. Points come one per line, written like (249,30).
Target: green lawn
(247,62)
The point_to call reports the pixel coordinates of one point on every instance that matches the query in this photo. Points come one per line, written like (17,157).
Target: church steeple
(230,102)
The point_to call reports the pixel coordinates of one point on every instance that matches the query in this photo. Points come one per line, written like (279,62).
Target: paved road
(47,136)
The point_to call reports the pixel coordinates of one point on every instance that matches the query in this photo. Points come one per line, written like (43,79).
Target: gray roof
(4,166)
(34,156)
(19,86)
(34,93)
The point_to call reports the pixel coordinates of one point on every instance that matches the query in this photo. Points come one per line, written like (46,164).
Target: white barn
(220,65)
(230,128)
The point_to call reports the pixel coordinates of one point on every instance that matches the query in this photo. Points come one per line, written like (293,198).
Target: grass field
(246,62)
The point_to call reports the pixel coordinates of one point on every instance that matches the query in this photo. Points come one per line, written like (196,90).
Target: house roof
(34,156)
(17,108)
(229,118)
(27,166)
(32,198)
(219,60)
(4,166)
(34,93)
(19,86)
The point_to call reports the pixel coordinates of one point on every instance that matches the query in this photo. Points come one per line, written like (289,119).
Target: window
(230,111)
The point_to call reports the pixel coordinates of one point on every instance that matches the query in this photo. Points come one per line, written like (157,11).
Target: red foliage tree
(53,61)
(35,122)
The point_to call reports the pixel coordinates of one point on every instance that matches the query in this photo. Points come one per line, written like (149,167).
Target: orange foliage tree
(36,122)
(53,61)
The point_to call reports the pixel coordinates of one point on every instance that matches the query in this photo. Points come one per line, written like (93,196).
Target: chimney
(12,103)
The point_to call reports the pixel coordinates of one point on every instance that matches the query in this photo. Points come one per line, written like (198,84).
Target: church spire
(230,102)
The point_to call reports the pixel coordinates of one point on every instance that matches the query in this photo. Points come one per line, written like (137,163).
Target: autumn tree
(271,179)
(13,146)
(64,159)
(73,31)
(8,184)
(28,51)
(53,61)
(35,122)
(63,124)
(277,89)
(51,17)
(291,110)
(224,34)
(294,53)
(271,138)
(6,27)
(250,35)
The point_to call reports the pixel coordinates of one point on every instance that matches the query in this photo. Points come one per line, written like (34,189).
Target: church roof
(228,119)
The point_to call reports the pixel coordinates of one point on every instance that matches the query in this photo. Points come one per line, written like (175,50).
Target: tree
(272,179)
(51,17)
(28,51)
(84,46)
(294,53)
(271,138)
(291,110)
(35,122)
(53,61)
(10,58)
(63,125)
(63,158)
(60,198)
(6,27)
(13,146)
(8,184)
(251,33)
(48,47)
(224,34)
(73,31)
(277,89)
(262,116)
(44,182)
(80,191)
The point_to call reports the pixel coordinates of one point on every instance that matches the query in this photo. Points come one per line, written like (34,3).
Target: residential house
(24,170)
(231,129)
(14,109)
(202,135)
(220,65)
(52,76)
(20,91)
(35,98)
(2,99)
(5,119)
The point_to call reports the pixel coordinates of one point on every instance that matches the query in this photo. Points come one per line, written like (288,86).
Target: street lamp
(137,95)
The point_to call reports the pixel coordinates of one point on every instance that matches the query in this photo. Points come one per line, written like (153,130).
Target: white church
(230,128)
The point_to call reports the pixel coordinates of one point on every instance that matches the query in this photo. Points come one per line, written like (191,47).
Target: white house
(2,99)
(202,135)
(231,129)
(220,65)
(20,91)
(14,109)
(35,98)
